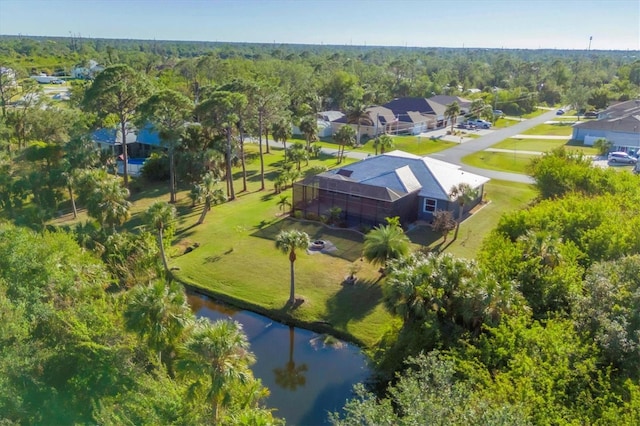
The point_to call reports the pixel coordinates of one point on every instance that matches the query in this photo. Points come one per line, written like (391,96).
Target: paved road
(454,154)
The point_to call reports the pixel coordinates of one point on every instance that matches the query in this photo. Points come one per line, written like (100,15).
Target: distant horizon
(484,24)
(311,44)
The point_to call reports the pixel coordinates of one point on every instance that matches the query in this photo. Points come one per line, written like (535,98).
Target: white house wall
(618,139)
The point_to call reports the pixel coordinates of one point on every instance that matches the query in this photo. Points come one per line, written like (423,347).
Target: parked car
(621,157)
(591,114)
(57,81)
(479,123)
(560,111)
(466,126)
(498,112)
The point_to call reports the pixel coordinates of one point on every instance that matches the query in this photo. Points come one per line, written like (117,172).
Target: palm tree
(451,113)
(288,242)
(309,127)
(463,193)
(383,243)
(344,136)
(384,142)
(220,112)
(358,115)
(208,192)
(297,153)
(542,246)
(158,313)
(217,357)
(281,131)
(160,216)
(108,203)
(283,202)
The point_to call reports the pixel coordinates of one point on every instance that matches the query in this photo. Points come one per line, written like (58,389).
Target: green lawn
(557,129)
(540,145)
(504,122)
(535,113)
(502,196)
(543,145)
(500,161)
(414,144)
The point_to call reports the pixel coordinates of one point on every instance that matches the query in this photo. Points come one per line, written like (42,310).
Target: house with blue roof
(140,144)
(387,185)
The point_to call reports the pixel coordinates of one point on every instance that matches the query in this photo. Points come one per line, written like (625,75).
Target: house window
(430,205)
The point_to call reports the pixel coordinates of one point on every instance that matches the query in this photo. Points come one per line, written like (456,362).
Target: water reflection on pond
(307,378)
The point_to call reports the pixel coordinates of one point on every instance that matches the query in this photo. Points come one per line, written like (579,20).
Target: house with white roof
(392,184)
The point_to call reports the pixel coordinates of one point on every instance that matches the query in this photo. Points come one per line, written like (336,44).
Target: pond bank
(280,316)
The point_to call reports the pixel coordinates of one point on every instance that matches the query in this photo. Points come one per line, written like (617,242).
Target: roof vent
(345,172)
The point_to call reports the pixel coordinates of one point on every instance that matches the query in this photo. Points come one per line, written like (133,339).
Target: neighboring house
(618,124)
(408,115)
(325,129)
(392,184)
(383,120)
(465,104)
(140,144)
(87,72)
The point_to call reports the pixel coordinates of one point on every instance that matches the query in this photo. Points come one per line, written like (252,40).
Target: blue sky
(532,24)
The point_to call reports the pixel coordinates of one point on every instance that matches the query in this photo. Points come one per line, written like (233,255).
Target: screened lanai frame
(360,204)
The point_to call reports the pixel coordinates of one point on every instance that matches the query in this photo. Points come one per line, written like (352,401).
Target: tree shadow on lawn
(151,190)
(348,243)
(353,302)
(423,235)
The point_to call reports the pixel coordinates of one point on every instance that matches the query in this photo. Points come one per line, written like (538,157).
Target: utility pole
(590,38)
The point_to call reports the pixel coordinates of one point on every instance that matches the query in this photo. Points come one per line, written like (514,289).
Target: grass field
(556,129)
(501,161)
(414,144)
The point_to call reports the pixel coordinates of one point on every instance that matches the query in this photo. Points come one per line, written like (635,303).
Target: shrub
(156,167)
(312,216)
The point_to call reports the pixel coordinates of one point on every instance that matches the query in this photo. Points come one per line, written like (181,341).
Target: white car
(480,124)
(621,157)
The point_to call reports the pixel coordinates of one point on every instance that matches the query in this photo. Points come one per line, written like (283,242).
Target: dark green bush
(156,167)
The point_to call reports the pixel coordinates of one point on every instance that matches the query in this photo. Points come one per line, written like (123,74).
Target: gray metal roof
(622,117)
(402,173)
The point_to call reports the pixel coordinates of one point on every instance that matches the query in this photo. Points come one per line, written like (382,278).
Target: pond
(307,378)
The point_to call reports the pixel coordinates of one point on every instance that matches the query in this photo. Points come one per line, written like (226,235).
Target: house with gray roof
(407,115)
(392,184)
(618,124)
